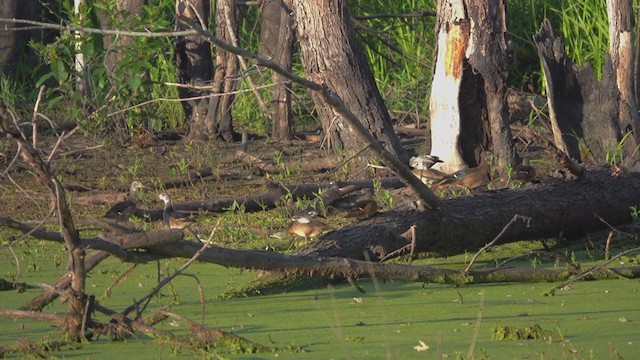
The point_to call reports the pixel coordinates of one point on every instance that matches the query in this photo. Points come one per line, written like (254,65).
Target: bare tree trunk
(111,43)
(219,120)
(468,102)
(194,66)
(276,42)
(14,44)
(622,52)
(114,46)
(488,59)
(581,107)
(331,56)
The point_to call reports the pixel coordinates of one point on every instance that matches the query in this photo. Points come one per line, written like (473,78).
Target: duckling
(364,208)
(471,178)
(424,162)
(524,172)
(171,218)
(123,210)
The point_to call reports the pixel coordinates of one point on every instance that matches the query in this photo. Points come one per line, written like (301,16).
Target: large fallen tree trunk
(556,207)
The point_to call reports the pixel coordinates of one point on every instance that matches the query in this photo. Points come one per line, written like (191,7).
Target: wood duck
(364,208)
(424,162)
(471,178)
(172,218)
(123,210)
(524,172)
(307,227)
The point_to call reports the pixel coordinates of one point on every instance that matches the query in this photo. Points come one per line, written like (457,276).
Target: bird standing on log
(123,210)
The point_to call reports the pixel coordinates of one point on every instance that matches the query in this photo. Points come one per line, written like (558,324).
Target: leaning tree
(332,56)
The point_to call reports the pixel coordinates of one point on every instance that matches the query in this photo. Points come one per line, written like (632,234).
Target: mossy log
(556,207)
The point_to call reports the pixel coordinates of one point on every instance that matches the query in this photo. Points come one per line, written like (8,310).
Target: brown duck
(429,176)
(364,208)
(123,210)
(171,218)
(471,178)
(307,227)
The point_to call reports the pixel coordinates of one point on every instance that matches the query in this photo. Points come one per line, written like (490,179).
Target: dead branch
(67,227)
(168,279)
(490,244)
(32,315)
(589,273)
(39,302)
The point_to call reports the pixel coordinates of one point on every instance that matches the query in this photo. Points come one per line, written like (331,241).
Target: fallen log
(272,197)
(467,223)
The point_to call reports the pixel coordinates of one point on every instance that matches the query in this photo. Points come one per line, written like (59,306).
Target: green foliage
(142,67)
(585,29)
(400,51)
(582,24)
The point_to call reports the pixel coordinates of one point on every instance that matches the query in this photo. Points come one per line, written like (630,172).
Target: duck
(171,218)
(364,208)
(471,178)
(307,227)
(123,210)
(423,162)
(428,176)
(524,172)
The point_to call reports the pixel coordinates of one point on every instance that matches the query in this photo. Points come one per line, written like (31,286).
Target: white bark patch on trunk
(443,104)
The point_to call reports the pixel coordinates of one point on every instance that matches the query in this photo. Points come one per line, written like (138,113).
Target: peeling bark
(621,50)
(468,101)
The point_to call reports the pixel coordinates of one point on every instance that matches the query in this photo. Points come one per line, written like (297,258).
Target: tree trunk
(193,62)
(276,42)
(125,9)
(218,122)
(621,52)
(555,207)
(14,45)
(114,47)
(468,102)
(581,108)
(331,56)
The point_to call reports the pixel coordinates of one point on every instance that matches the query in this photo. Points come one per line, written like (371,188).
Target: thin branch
(592,270)
(168,279)
(189,98)
(490,244)
(234,41)
(73,28)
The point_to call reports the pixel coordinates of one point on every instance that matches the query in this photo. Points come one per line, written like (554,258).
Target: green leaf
(59,72)
(43,78)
